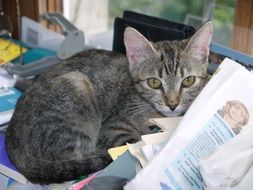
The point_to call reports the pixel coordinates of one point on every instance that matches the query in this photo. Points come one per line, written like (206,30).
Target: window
(232,19)
(98,16)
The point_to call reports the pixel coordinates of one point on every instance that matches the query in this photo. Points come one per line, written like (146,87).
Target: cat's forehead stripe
(171,63)
(166,67)
(182,73)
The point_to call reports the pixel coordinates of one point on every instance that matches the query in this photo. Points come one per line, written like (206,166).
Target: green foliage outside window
(190,11)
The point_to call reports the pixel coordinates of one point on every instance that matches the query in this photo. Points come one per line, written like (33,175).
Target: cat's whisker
(132,111)
(136,105)
(135,111)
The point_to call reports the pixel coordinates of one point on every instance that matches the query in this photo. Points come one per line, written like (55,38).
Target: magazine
(221,112)
(6,166)
(8,99)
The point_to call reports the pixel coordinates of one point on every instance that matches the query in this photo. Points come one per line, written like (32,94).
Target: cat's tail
(45,171)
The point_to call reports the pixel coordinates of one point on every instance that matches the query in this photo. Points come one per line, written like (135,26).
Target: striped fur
(64,123)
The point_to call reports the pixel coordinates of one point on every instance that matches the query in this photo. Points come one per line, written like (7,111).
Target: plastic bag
(230,167)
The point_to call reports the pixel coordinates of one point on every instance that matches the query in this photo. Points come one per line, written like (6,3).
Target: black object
(153,28)
(106,183)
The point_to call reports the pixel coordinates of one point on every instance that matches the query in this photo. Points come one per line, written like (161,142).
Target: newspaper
(220,112)
(151,144)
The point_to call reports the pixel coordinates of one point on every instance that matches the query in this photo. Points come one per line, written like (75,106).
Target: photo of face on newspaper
(235,114)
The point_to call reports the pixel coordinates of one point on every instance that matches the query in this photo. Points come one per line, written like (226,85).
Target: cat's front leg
(119,133)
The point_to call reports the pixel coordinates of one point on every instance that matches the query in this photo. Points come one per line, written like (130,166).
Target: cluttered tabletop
(207,146)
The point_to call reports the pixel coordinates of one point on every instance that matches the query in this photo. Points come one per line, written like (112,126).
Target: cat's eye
(188,81)
(154,83)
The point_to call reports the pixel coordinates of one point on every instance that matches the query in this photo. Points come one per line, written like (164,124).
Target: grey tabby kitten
(64,123)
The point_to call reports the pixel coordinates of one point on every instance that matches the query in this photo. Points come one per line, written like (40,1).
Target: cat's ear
(138,48)
(199,44)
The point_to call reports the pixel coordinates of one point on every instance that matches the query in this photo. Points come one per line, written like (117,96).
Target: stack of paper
(152,144)
(222,112)
(8,100)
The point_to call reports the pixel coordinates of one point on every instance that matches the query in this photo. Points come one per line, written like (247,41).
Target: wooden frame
(242,31)
(32,9)
(243,27)
(50,6)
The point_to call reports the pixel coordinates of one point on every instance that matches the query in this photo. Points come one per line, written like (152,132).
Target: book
(115,152)
(8,99)
(5,182)
(6,167)
(205,128)
(9,50)
(124,166)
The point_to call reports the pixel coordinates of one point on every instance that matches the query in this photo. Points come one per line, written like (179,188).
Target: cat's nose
(172,100)
(173,106)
